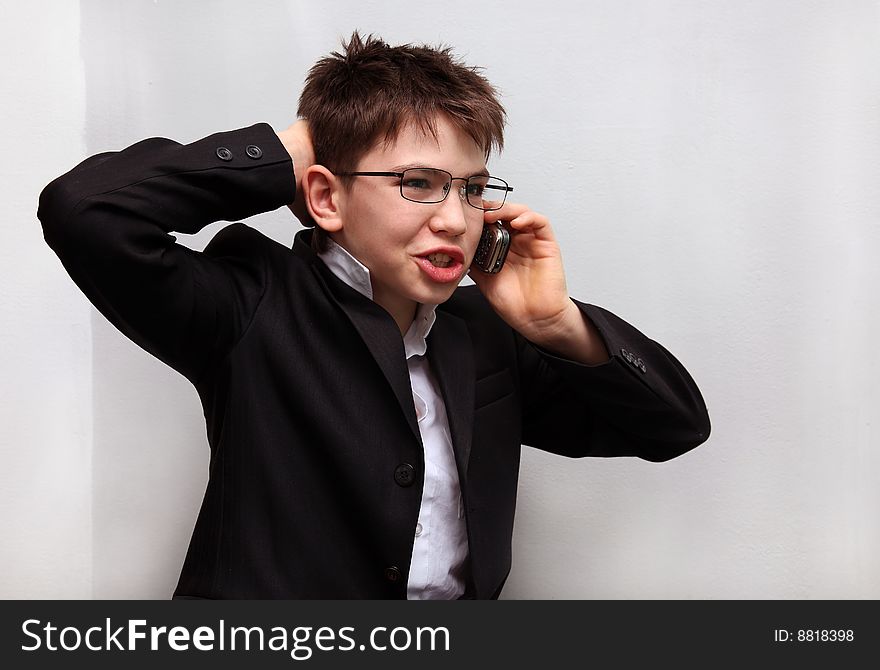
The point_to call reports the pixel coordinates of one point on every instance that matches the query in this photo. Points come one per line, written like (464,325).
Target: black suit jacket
(304,382)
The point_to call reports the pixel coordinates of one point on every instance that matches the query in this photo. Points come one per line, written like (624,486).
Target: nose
(450,217)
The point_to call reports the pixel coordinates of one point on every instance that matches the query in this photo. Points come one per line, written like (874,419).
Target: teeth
(440,260)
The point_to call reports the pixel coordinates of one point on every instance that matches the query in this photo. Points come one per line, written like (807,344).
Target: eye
(417,183)
(424,184)
(476,189)
(423,179)
(476,186)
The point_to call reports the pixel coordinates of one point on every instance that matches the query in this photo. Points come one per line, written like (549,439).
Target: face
(416,252)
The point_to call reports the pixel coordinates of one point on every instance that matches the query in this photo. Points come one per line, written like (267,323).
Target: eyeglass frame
(507,188)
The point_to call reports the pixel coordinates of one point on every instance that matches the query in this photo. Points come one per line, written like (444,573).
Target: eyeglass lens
(431,185)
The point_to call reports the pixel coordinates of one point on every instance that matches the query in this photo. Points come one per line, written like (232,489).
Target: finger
(507,212)
(533,223)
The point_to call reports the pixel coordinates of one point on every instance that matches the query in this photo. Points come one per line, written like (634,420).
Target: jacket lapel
(375,326)
(452,362)
(382,337)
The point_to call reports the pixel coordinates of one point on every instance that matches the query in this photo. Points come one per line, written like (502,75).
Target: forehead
(448,148)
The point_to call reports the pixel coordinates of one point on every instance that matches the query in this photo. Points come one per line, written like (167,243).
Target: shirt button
(418,529)
(253,151)
(392,574)
(224,154)
(404,475)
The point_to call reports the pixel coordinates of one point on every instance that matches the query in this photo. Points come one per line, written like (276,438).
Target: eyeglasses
(432,185)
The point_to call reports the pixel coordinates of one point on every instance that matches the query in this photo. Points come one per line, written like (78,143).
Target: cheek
(383,232)
(473,238)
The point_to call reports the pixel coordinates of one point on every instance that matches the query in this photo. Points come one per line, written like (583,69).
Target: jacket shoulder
(238,240)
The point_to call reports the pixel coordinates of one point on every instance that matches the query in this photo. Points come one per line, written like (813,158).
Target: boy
(364,413)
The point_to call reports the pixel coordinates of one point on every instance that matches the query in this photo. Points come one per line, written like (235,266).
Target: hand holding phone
(492,249)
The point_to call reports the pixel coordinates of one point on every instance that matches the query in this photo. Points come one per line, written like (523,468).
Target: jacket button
(224,154)
(404,474)
(253,151)
(392,574)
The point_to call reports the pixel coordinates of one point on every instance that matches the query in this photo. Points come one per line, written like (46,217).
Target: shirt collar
(347,268)
(415,342)
(355,274)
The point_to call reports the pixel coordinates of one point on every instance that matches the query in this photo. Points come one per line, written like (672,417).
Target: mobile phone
(492,249)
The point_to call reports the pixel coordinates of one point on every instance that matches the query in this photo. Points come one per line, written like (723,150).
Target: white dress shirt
(440,546)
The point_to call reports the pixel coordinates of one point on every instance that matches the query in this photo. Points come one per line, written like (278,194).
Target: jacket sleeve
(642,402)
(109,220)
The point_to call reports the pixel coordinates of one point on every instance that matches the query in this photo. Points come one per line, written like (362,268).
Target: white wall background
(711,169)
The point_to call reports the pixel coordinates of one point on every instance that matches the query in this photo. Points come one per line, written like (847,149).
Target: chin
(436,295)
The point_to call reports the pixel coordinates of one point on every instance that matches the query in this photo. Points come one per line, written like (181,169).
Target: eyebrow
(409,166)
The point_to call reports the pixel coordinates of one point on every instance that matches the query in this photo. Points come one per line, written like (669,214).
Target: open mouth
(442,266)
(439,260)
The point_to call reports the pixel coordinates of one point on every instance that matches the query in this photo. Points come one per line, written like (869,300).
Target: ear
(322,191)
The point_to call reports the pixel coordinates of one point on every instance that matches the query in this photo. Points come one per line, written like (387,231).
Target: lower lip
(445,275)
